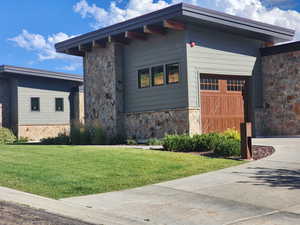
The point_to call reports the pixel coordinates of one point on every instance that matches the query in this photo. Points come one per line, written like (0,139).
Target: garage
(222,102)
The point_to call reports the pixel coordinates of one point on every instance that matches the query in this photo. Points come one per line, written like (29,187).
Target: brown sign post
(246,141)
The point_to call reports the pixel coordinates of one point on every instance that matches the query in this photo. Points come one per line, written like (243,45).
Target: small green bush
(131,142)
(75,133)
(154,141)
(232,134)
(119,139)
(228,147)
(21,140)
(97,135)
(178,143)
(205,142)
(61,139)
(7,136)
(220,144)
(87,134)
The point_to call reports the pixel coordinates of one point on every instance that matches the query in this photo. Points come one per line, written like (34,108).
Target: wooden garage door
(222,103)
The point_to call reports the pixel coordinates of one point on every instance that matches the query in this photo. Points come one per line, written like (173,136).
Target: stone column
(194,120)
(103,87)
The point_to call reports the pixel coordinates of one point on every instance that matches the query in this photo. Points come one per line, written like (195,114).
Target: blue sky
(29,28)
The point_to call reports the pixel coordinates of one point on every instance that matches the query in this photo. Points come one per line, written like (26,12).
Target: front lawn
(64,171)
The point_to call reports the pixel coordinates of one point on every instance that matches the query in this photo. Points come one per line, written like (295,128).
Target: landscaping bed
(260,152)
(60,171)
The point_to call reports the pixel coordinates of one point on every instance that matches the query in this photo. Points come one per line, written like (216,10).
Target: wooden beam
(175,25)
(135,35)
(74,52)
(269,44)
(98,44)
(118,39)
(151,29)
(84,48)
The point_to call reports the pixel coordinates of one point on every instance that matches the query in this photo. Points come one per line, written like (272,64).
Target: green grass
(64,171)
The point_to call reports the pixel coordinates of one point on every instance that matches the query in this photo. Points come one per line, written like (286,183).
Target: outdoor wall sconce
(192,44)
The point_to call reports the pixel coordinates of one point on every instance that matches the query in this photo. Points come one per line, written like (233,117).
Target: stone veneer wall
(4,103)
(37,132)
(103,97)
(156,124)
(280,114)
(103,88)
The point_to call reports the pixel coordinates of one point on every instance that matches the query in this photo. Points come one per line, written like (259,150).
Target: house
(181,69)
(36,104)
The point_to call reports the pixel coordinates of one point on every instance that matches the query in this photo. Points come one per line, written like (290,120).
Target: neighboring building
(182,69)
(37,103)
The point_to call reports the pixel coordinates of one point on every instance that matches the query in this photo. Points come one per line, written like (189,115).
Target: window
(172,71)
(144,78)
(211,84)
(35,104)
(59,104)
(235,85)
(157,75)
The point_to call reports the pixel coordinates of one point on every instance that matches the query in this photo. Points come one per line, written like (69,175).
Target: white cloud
(44,47)
(252,9)
(116,14)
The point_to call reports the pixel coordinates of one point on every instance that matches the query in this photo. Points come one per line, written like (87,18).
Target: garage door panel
(222,103)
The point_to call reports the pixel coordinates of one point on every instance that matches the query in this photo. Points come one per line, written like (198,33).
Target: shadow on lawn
(274,177)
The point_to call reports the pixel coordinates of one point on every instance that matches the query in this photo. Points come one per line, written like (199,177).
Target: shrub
(75,134)
(119,139)
(6,136)
(232,134)
(21,140)
(84,135)
(87,134)
(154,141)
(228,147)
(220,144)
(61,139)
(97,135)
(178,143)
(131,142)
(205,142)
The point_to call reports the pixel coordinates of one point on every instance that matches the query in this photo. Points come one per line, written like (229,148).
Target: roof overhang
(278,49)
(5,69)
(178,15)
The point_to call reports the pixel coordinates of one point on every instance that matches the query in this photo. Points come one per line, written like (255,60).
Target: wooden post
(246,141)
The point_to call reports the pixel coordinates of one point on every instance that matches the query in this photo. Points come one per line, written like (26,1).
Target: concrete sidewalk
(261,192)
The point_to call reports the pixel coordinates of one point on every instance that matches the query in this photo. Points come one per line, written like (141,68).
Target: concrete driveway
(261,192)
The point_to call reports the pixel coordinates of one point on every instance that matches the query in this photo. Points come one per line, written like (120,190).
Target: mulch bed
(259,152)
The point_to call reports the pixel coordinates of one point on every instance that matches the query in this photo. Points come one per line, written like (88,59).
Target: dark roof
(289,47)
(40,73)
(186,13)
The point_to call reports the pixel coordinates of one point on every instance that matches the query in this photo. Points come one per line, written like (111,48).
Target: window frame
(139,78)
(207,83)
(153,77)
(63,104)
(167,75)
(235,85)
(31,104)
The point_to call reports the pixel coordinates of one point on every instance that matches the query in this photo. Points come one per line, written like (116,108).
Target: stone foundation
(156,124)
(37,132)
(280,114)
